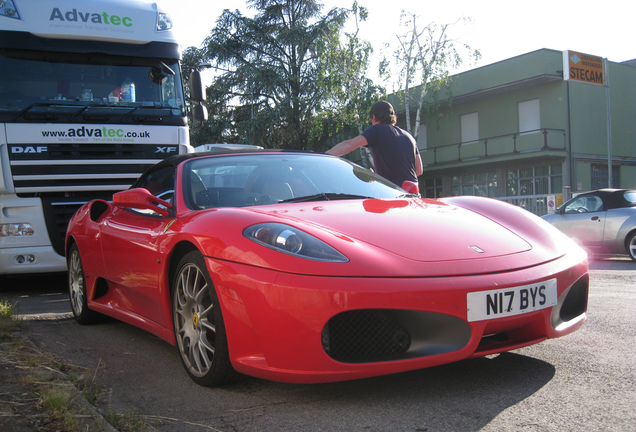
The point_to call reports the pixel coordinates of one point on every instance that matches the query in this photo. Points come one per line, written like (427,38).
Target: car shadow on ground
(465,395)
(611,262)
(462,396)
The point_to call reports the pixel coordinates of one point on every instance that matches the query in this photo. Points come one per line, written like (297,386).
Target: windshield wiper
(52,115)
(79,111)
(325,197)
(44,116)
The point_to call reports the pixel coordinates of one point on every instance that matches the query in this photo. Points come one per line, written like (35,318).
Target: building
(521,130)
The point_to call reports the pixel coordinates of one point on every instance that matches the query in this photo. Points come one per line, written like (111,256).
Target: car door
(130,242)
(130,249)
(583,219)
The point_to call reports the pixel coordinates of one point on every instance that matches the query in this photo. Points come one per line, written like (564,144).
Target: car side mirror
(140,198)
(411,187)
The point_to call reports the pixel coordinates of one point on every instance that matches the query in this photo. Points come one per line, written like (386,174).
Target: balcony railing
(497,146)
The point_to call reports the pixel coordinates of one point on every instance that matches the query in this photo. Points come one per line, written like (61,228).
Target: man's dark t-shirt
(394,151)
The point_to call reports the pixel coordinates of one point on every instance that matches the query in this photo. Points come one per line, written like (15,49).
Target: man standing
(394,150)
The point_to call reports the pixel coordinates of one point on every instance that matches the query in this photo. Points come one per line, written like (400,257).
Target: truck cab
(91,95)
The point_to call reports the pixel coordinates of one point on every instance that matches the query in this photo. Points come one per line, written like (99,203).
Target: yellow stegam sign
(583,67)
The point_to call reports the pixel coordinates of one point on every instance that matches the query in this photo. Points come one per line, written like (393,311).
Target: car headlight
(14,230)
(290,240)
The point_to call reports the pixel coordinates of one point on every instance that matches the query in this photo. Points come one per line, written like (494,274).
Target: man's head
(383,113)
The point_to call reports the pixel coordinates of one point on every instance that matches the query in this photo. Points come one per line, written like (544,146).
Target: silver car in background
(602,221)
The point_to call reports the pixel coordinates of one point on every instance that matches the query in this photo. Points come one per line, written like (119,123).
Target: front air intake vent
(572,304)
(374,335)
(364,336)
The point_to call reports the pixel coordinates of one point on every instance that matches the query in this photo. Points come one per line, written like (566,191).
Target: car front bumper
(310,329)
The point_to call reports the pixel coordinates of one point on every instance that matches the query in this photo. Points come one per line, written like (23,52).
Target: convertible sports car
(305,268)
(602,221)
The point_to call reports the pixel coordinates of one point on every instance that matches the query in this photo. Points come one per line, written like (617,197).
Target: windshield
(249,179)
(53,79)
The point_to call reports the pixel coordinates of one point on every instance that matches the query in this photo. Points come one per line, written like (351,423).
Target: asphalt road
(582,382)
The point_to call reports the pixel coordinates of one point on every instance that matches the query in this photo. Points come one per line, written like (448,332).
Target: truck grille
(79,168)
(56,215)
(67,175)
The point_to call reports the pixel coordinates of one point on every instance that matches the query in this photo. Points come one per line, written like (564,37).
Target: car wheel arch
(70,241)
(630,238)
(624,235)
(179,251)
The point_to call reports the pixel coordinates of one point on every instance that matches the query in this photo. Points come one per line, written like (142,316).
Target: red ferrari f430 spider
(306,268)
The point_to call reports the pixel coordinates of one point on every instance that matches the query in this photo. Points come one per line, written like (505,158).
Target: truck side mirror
(197,95)
(196,87)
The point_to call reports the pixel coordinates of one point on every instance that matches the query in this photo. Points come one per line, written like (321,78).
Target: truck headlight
(14,230)
(8,9)
(164,21)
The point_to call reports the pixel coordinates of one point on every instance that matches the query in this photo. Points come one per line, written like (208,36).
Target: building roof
(516,73)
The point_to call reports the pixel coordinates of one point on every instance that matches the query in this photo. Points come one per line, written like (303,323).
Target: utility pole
(609,127)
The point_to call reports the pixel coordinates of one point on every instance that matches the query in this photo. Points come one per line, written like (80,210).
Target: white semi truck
(91,95)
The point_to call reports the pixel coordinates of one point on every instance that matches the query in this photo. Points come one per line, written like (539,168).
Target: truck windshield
(87,79)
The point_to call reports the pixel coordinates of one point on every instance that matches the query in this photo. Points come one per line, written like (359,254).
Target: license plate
(512,301)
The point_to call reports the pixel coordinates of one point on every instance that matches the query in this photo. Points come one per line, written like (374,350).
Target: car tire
(631,246)
(77,290)
(198,324)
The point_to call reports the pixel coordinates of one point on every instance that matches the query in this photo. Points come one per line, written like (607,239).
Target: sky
(498,29)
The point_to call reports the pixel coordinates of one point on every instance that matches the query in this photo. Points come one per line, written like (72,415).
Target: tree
(349,93)
(219,128)
(268,68)
(424,56)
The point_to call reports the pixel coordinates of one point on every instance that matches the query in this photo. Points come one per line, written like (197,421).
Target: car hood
(420,230)
(386,237)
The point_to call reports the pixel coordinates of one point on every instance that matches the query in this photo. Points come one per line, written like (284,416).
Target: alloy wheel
(194,320)
(76,282)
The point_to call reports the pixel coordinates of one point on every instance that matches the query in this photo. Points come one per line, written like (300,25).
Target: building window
(433,188)
(600,176)
(542,180)
(422,138)
(480,184)
(529,188)
(529,115)
(470,128)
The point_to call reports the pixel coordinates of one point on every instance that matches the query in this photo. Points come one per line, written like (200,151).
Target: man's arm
(419,169)
(346,147)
